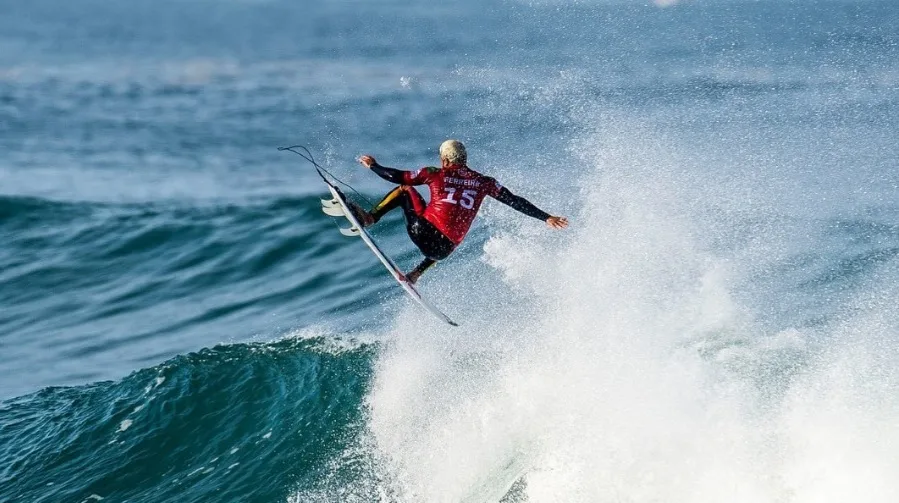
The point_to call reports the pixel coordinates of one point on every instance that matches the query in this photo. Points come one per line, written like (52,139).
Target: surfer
(439,226)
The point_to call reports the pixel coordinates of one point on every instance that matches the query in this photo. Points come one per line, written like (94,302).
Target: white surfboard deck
(356,229)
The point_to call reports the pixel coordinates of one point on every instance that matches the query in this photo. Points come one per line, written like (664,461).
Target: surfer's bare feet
(365,218)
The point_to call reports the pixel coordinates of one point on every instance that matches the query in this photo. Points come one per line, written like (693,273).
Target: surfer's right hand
(368,161)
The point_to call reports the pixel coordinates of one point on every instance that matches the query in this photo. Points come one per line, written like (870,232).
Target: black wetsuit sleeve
(521,204)
(389,174)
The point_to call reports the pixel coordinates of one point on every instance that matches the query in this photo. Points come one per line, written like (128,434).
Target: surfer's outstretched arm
(396,176)
(391,175)
(521,204)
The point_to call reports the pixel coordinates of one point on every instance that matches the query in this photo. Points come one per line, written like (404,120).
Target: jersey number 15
(466,200)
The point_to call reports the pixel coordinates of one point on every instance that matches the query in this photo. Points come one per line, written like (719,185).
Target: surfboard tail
(340,206)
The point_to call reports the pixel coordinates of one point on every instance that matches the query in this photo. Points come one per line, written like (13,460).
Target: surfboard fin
(333,211)
(350,232)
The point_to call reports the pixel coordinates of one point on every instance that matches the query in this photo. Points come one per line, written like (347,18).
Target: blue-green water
(179,322)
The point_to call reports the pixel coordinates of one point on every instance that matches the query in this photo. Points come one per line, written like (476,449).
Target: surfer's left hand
(557,222)
(368,161)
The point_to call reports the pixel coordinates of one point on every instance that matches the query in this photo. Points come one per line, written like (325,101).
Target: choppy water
(179,322)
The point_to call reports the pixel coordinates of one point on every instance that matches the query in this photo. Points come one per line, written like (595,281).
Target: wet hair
(454,152)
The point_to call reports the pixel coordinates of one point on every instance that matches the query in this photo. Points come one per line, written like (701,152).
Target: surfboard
(338,206)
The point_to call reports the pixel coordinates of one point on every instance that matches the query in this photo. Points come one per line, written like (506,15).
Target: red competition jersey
(456,196)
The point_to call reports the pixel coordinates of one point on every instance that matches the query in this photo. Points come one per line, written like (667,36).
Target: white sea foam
(618,360)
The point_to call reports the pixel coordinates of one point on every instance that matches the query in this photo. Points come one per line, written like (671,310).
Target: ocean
(179,322)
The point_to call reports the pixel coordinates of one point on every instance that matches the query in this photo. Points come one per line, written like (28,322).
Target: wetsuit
(457,192)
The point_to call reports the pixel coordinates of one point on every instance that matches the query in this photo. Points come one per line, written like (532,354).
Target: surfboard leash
(306,154)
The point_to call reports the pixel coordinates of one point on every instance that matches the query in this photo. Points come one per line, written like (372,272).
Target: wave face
(199,427)
(179,322)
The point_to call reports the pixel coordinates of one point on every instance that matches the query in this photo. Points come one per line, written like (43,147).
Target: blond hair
(454,152)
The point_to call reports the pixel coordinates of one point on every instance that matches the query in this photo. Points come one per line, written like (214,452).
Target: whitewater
(645,357)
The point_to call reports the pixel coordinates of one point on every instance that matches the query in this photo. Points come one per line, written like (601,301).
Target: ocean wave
(241,422)
(113,280)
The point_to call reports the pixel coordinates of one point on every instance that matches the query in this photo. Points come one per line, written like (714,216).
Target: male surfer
(439,226)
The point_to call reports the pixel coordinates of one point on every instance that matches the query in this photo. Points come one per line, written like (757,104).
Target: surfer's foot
(413,276)
(365,218)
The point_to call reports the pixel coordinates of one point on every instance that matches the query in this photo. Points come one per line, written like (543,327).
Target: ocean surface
(180,323)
